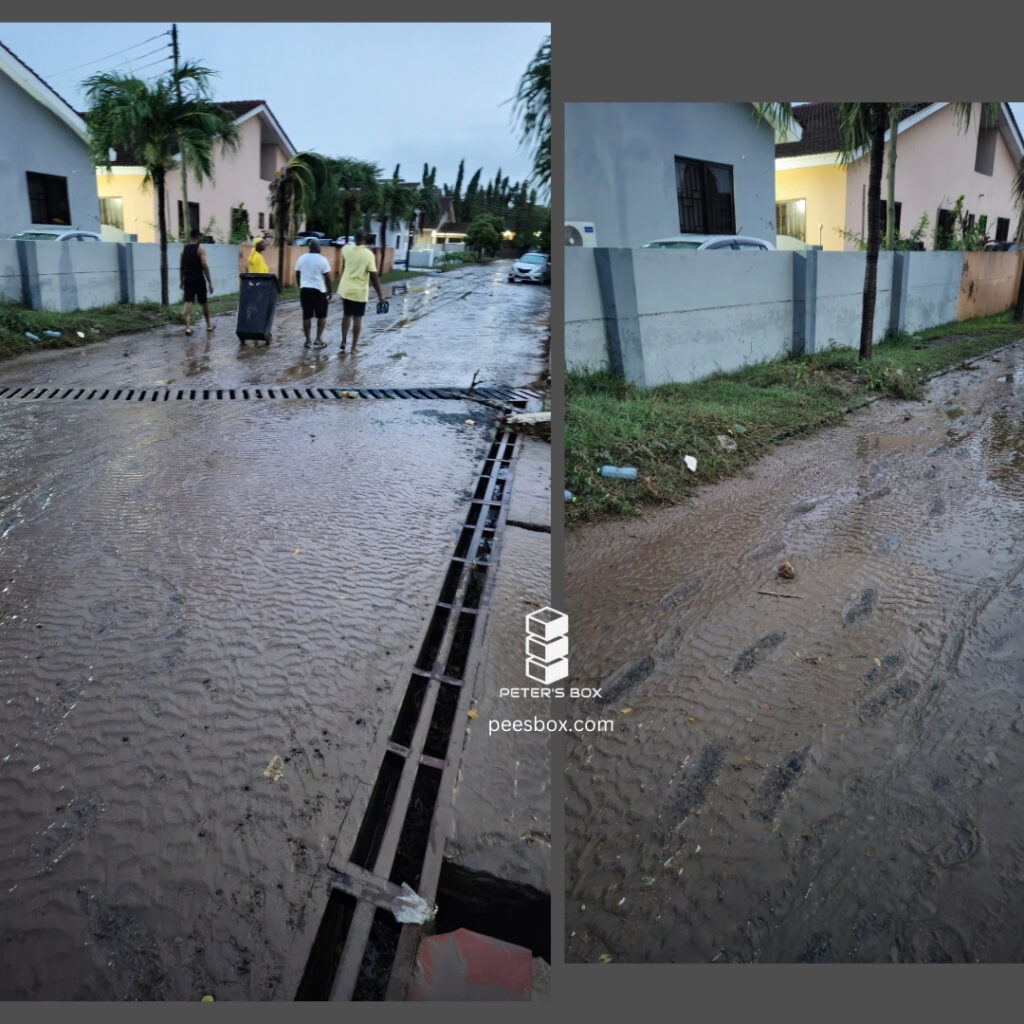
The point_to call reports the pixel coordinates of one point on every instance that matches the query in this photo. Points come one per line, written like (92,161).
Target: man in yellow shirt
(358,269)
(257,264)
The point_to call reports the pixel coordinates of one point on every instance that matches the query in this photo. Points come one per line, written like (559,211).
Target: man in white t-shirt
(314,274)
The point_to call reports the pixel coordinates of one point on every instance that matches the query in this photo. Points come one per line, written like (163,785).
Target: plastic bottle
(31,336)
(52,334)
(623,472)
(569,496)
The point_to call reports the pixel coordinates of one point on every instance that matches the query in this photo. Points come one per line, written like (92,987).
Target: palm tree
(532,111)
(291,194)
(396,203)
(864,127)
(357,188)
(151,122)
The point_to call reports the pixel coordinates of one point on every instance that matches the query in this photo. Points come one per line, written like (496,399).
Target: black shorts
(314,303)
(352,308)
(195,291)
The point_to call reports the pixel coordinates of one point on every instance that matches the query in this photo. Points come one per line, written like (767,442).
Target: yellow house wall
(139,204)
(824,189)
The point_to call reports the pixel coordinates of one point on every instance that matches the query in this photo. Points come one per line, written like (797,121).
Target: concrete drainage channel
(396,833)
(513,396)
(361,952)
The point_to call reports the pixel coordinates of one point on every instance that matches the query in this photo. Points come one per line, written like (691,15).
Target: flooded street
(209,611)
(827,767)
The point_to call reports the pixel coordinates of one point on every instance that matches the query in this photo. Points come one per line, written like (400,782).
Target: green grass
(608,420)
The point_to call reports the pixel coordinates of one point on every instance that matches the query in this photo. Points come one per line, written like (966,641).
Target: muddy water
(827,768)
(188,591)
(442,330)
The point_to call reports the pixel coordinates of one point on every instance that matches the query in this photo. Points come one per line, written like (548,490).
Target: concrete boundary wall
(670,315)
(66,276)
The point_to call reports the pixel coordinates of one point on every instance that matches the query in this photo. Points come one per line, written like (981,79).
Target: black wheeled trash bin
(257,301)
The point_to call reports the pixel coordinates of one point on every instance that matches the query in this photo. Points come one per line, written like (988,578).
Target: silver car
(56,235)
(705,242)
(531,266)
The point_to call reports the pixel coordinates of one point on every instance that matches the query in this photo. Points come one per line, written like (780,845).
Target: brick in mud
(624,679)
(781,777)
(693,789)
(750,657)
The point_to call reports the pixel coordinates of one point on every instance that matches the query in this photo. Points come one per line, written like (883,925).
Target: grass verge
(610,421)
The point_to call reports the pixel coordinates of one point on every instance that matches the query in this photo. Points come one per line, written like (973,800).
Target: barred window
(705,197)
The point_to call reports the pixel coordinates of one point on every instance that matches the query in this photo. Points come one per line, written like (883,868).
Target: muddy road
(208,614)
(828,767)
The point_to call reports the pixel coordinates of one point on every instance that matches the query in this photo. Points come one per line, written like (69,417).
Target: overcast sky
(424,93)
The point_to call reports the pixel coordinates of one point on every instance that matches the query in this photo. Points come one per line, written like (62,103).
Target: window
(193,217)
(1002,229)
(112,211)
(704,192)
(48,198)
(791,218)
(944,229)
(883,213)
(985,155)
(260,220)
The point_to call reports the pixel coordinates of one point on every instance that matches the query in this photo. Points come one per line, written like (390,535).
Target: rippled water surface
(824,768)
(193,594)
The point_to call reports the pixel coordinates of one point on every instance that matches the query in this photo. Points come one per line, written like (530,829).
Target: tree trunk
(890,209)
(161,202)
(867,323)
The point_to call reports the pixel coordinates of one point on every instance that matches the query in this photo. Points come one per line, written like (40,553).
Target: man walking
(358,269)
(195,280)
(314,274)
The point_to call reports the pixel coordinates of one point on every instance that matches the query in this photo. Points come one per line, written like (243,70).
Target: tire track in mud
(844,773)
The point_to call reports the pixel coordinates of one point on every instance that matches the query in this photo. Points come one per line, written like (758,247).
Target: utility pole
(186,219)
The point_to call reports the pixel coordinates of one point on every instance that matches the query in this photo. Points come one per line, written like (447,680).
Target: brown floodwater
(822,768)
(208,615)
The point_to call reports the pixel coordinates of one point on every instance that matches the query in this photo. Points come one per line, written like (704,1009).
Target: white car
(531,266)
(56,235)
(705,242)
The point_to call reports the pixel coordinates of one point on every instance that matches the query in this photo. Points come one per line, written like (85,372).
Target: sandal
(211,328)
(188,331)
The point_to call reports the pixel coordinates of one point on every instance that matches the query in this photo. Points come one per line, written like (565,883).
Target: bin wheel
(270,337)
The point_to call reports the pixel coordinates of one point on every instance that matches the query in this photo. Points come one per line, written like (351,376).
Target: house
(822,202)
(47,175)
(241,179)
(639,171)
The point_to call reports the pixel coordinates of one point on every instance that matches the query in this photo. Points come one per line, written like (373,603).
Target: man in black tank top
(195,280)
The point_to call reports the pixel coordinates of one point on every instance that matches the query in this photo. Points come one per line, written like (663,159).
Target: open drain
(360,951)
(246,394)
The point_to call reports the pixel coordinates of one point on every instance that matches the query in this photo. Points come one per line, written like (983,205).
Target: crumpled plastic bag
(409,908)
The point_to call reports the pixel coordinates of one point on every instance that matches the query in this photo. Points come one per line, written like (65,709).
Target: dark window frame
(1002,229)
(702,207)
(48,198)
(882,205)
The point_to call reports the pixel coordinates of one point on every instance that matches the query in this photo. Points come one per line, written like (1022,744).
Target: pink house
(241,178)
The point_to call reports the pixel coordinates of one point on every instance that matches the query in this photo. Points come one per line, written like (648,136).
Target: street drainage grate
(246,394)
(360,951)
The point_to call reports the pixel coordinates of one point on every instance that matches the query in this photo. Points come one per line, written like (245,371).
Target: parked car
(703,242)
(57,234)
(318,235)
(531,266)
(1003,247)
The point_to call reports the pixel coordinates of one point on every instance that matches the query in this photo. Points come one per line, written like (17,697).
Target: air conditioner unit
(580,232)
